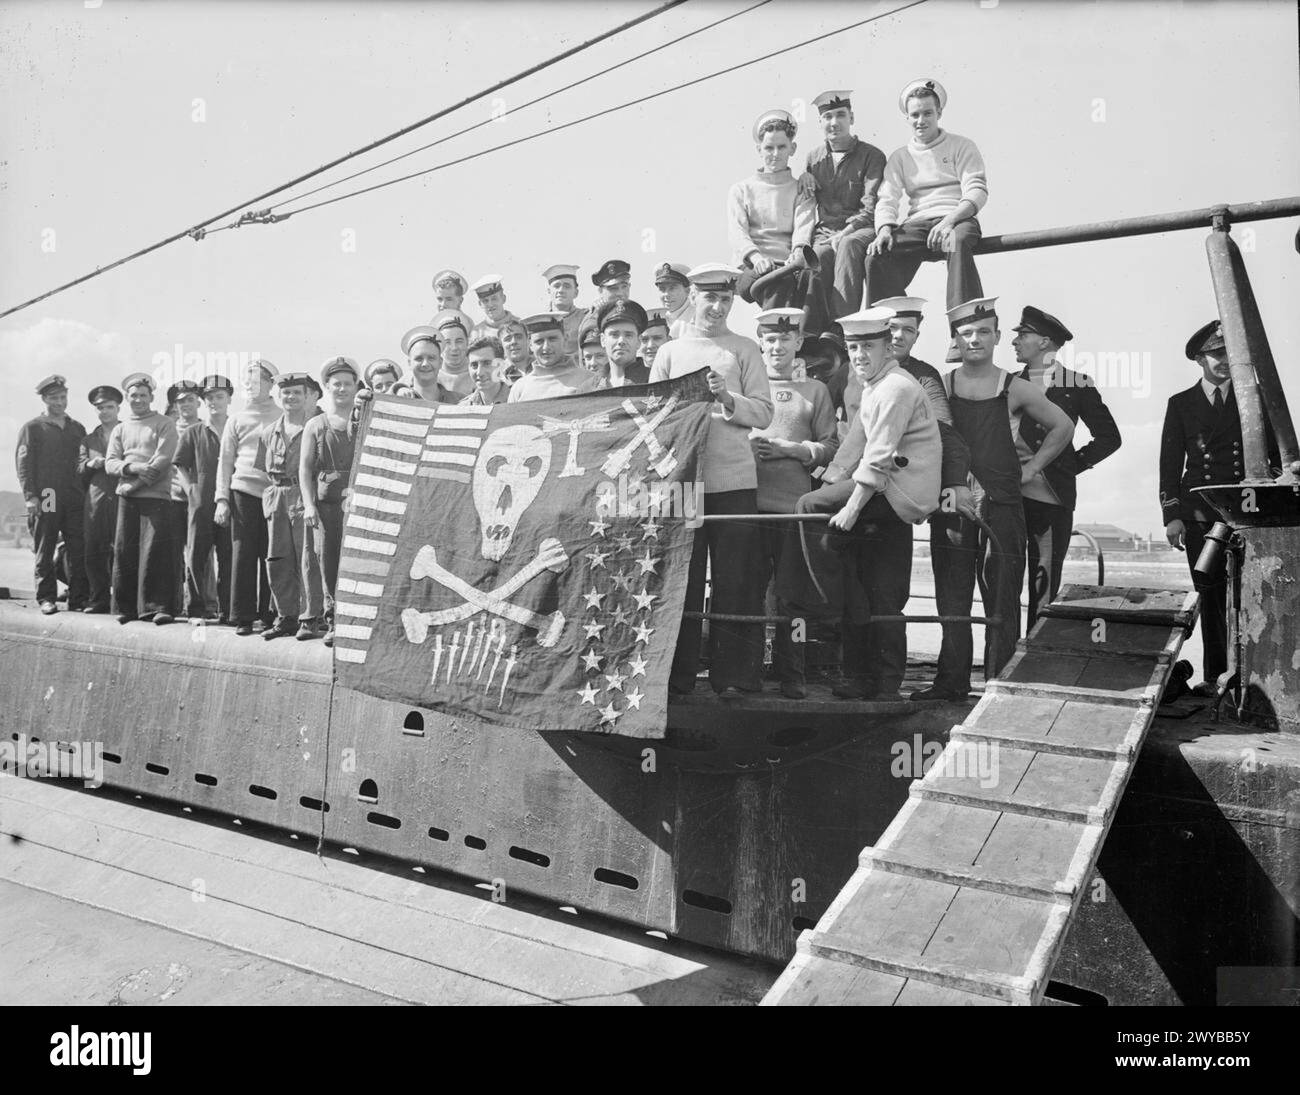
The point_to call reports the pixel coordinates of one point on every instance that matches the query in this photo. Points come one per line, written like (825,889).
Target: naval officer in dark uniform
(1200,446)
(1049,497)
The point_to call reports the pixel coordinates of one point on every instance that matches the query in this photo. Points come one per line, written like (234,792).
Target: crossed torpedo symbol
(550,556)
(662,460)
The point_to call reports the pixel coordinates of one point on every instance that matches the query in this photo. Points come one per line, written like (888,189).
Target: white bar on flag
(359,543)
(383,505)
(401,467)
(346,654)
(369,524)
(378,482)
(414,410)
(360,612)
(453,442)
(459,423)
(352,631)
(432,456)
(361,589)
(392,444)
(396,425)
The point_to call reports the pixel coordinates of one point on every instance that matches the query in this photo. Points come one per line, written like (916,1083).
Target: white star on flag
(647,563)
(592,660)
(643,633)
(598,526)
(598,558)
(593,630)
(610,713)
(588,694)
(616,680)
(637,665)
(634,699)
(620,615)
(593,598)
(650,530)
(644,599)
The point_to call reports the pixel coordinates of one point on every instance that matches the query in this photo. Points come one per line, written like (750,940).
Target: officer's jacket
(846,195)
(1200,447)
(47,457)
(1078,397)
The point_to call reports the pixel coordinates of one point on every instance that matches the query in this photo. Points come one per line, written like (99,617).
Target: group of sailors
(824,411)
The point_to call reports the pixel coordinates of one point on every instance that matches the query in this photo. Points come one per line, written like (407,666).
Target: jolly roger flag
(524,564)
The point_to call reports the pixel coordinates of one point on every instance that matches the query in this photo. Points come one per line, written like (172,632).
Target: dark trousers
(1048,529)
(205,535)
(101,530)
(842,270)
(786,292)
(890,274)
(144,577)
(732,550)
(954,590)
(328,540)
(775,540)
(250,595)
(67,517)
(1214,604)
(179,516)
(860,574)
(291,557)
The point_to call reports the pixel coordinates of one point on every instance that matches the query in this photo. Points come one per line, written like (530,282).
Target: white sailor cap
(446,278)
(487,285)
(903,306)
(452,317)
(871,323)
(713,275)
(418,334)
(833,100)
(972,310)
(781,319)
(925,83)
(772,116)
(560,270)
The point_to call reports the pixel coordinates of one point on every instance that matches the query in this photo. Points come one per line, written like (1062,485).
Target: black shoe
(161,618)
(794,690)
(280,629)
(1206,690)
(48,608)
(934,692)
(126,618)
(96,610)
(309,629)
(328,637)
(244,628)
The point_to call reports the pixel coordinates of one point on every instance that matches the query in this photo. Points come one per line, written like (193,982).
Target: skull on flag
(510,470)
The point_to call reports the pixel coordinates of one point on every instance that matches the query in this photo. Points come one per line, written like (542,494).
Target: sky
(128,121)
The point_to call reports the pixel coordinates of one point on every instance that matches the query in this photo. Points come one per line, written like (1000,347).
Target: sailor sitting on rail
(895,485)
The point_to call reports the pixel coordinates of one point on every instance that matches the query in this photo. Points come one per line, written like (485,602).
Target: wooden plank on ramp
(967,896)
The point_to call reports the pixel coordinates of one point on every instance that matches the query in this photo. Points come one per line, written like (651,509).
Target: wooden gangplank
(968,894)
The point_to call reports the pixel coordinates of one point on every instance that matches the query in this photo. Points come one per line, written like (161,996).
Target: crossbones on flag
(523,564)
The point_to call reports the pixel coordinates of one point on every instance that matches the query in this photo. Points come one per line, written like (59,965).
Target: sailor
(847,173)
(453,328)
(942,176)
(449,289)
(48,449)
(198,456)
(324,470)
(514,342)
(594,358)
(382,374)
(424,358)
(101,499)
(743,401)
(1201,445)
(982,399)
(894,485)
(674,294)
(1049,497)
(140,452)
(492,299)
(904,329)
(770,218)
(554,372)
(294,573)
(621,323)
(613,281)
(485,366)
(240,487)
(800,437)
(183,408)
(654,335)
(562,286)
